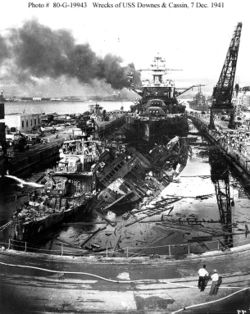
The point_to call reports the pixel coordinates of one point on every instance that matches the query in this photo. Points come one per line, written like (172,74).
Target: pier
(37,157)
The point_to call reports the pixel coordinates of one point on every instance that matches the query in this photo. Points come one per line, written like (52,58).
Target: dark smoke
(135,76)
(40,52)
(112,72)
(83,64)
(3,49)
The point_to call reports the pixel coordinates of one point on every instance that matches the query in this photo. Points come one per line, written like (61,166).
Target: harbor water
(62,107)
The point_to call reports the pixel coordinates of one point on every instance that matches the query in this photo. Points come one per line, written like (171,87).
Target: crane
(187,89)
(220,177)
(223,91)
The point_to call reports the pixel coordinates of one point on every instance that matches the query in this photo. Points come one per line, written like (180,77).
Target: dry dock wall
(237,159)
(139,285)
(38,157)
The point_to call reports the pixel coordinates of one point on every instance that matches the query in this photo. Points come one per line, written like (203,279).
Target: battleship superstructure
(158,116)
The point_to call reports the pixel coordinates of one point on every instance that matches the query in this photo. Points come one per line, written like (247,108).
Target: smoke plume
(3,49)
(35,52)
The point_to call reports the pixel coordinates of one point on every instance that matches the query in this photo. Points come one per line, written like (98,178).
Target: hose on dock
(106,279)
(209,302)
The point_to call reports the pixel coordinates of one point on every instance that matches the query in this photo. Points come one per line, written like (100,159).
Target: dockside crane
(222,190)
(223,91)
(220,177)
(184,90)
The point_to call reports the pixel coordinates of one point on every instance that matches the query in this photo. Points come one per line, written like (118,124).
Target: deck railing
(170,250)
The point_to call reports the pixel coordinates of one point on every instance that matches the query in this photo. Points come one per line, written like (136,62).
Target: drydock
(156,211)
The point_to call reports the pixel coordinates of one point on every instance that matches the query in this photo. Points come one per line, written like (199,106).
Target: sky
(195,40)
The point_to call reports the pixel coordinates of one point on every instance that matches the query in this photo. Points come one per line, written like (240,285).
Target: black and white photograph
(124,156)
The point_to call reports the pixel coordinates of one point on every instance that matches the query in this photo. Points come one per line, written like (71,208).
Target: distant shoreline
(65,100)
(62,107)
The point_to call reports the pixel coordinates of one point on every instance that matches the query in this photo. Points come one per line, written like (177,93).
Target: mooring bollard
(127,252)
(25,246)
(189,249)
(9,244)
(61,248)
(106,252)
(218,245)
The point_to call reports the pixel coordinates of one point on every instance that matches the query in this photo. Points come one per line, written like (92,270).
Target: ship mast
(159,69)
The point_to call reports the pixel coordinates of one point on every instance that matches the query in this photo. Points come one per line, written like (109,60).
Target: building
(23,122)
(37,98)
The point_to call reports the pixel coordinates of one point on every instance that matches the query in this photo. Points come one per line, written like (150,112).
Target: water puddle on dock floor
(206,207)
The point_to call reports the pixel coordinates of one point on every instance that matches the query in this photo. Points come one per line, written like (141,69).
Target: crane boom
(223,91)
(187,89)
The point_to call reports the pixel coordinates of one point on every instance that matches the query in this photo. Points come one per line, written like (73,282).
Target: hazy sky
(195,40)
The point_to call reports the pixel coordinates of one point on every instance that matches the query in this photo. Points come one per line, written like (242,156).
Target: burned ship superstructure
(158,116)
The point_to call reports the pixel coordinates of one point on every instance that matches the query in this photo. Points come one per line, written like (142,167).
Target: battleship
(158,116)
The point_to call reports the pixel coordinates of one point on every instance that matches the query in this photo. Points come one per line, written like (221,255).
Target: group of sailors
(204,277)
(236,142)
